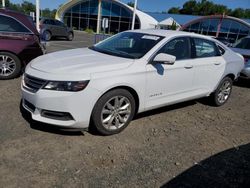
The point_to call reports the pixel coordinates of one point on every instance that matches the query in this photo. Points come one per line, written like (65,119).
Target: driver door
(167,84)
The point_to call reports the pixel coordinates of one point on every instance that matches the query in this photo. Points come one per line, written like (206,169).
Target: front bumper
(64,109)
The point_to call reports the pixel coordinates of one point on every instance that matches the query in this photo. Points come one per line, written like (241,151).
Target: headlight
(66,85)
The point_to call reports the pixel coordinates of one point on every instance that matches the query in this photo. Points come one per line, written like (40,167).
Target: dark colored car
(19,43)
(54,28)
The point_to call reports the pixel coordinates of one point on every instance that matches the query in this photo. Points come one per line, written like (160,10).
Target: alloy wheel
(7,65)
(224,92)
(116,112)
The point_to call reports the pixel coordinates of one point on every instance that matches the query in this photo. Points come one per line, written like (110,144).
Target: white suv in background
(129,73)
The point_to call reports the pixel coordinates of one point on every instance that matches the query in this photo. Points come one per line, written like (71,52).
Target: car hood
(79,61)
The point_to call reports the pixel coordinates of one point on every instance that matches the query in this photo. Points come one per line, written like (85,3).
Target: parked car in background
(242,46)
(128,73)
(19,43)
(228,42)
(54,28)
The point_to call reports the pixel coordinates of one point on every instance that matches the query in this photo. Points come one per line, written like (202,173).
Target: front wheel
(10,66)
(113,112)
(223,92)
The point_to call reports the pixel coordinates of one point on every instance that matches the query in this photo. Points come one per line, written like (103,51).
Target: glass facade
(229,28)
(83,16)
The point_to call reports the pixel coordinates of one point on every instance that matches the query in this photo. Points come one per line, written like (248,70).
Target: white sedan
(105,85)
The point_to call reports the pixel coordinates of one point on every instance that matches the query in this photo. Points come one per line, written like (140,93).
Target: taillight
(246,59)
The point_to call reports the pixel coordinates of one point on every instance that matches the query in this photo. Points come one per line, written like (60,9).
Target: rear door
(13,35)
(209,65)
(61,28)
(49,24)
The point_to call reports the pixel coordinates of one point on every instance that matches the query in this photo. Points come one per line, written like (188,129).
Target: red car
(19,43)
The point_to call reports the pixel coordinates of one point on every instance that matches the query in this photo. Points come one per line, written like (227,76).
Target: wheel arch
(230,75)
(133,92)
(22,62)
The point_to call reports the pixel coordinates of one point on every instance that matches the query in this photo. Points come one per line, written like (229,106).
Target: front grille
(33,84)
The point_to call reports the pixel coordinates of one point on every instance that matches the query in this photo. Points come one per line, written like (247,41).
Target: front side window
(8,24)
(128,44)
(205,48)
(179,47)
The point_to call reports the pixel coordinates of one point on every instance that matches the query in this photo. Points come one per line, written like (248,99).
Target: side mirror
(165,59)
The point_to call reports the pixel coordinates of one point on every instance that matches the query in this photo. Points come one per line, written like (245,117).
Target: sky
(150,5)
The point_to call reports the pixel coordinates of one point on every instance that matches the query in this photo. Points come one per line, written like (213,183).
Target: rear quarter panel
(235,63)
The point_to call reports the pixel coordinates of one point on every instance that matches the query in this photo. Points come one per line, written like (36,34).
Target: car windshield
(243,43)
(128,44)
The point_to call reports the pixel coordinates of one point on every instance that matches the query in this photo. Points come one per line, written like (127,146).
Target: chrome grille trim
(33,84)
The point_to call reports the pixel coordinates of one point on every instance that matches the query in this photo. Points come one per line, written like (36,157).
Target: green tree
(174,10)
(131,4)
(28,7)
(206,7)
(238,12)
(189,7)
(173,26)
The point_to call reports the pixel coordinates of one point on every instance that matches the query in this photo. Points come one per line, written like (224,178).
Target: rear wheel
(223,92)
(113,112)
(10,66)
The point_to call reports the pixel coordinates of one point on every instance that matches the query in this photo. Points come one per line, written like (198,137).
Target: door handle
(188,66)
(217,63)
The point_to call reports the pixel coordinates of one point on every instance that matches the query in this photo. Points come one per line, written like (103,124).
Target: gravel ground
(187,145)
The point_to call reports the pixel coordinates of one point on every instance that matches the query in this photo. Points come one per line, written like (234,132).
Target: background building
(219,26)
(83,14)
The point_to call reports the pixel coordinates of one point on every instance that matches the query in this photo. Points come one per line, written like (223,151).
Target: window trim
(19,23)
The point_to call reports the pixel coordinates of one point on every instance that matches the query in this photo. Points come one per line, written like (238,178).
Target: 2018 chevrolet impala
(129,73)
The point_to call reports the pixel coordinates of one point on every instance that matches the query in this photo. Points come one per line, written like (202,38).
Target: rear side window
(58,23)
(49,22)
(205,48)
(46,22)
(8,24)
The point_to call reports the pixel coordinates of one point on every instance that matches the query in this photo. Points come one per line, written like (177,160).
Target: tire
(113,112)
(223,92)
(10,66)
(47,35)
(70,36)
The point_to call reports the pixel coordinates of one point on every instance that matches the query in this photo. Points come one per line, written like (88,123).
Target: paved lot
(81,40)
(186,145)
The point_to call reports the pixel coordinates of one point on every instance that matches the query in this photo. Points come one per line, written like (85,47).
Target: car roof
(24,19)
(169,33)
